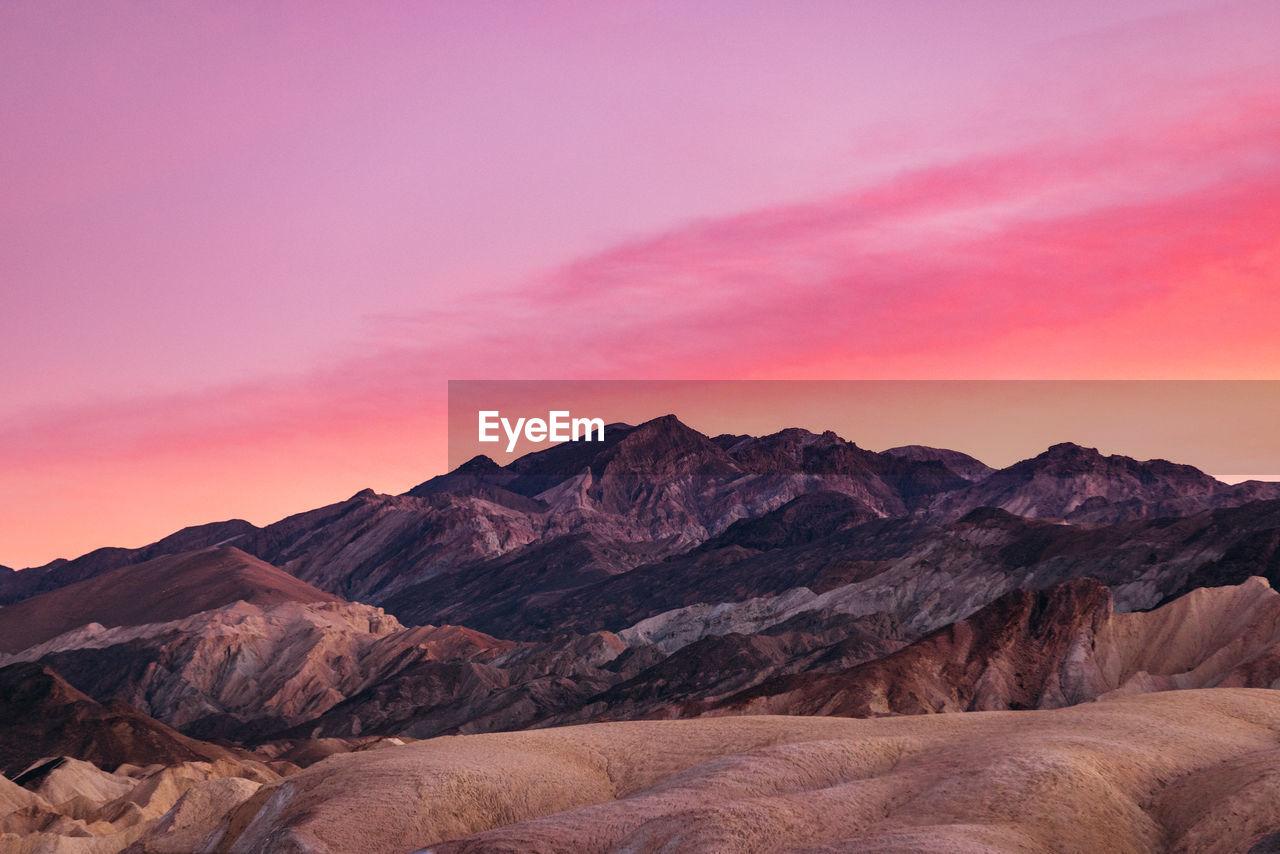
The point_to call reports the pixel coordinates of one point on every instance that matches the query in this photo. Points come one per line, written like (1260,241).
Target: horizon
(260,523)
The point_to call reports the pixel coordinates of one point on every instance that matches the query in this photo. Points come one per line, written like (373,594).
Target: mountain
(668,572)
(1047,649)
(969,468)
(244,671)
(158,590)
(43,716)
(646,494)
(925,574)
(1080,485)
(59,573)
(661,574)
(660,485)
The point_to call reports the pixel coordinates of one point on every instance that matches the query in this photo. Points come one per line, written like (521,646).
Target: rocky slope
(594,677)
(927,577)
(42,716)
(1081,485)
(69,806)
(160,590)
(299,672)
(969,468)
(81,777)
(562,586)
(804,592)
(1046,649)
(278,653)
(1028,649)
(1188,771)
(244,670)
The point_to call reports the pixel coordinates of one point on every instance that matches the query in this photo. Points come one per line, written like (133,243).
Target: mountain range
(660,574)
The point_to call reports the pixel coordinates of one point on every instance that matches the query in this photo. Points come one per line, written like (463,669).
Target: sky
(243,248)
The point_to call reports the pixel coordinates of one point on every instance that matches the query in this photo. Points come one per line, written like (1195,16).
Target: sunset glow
(243,251)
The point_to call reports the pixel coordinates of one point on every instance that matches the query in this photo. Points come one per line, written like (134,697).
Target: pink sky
(243,250)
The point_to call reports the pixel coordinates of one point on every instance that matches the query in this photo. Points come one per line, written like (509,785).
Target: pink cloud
(906,276)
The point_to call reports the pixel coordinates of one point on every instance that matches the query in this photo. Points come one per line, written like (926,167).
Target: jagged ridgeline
(657,574)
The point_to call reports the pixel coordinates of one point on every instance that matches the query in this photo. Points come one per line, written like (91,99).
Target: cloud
(923,265)
(1144,249)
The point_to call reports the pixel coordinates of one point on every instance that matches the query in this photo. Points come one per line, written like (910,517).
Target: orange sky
(1223,427)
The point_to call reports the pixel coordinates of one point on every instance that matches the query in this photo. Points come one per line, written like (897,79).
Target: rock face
(76,776)
(1081,485)
(76,807)
(562,585)
(194,821)
(42,716)
(1047,649)
(299,672)
(969,468)
(1027,650)
(927,577)
(244,670)
(1187,771)
(594,677)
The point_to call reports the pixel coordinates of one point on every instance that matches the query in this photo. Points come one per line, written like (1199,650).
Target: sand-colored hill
(160,590)
(78,808)
(1187,771)
(87,779)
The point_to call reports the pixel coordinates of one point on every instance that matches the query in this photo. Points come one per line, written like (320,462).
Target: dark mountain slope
(42,716)
(59,573)
(1083,486)
(511,597)
(1046,649)
(969,468)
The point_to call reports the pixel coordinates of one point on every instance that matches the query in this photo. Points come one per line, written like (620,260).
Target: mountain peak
(479,464)
(661,446)
(1070,449)
(1068,458)
(969,468)
(668,423)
